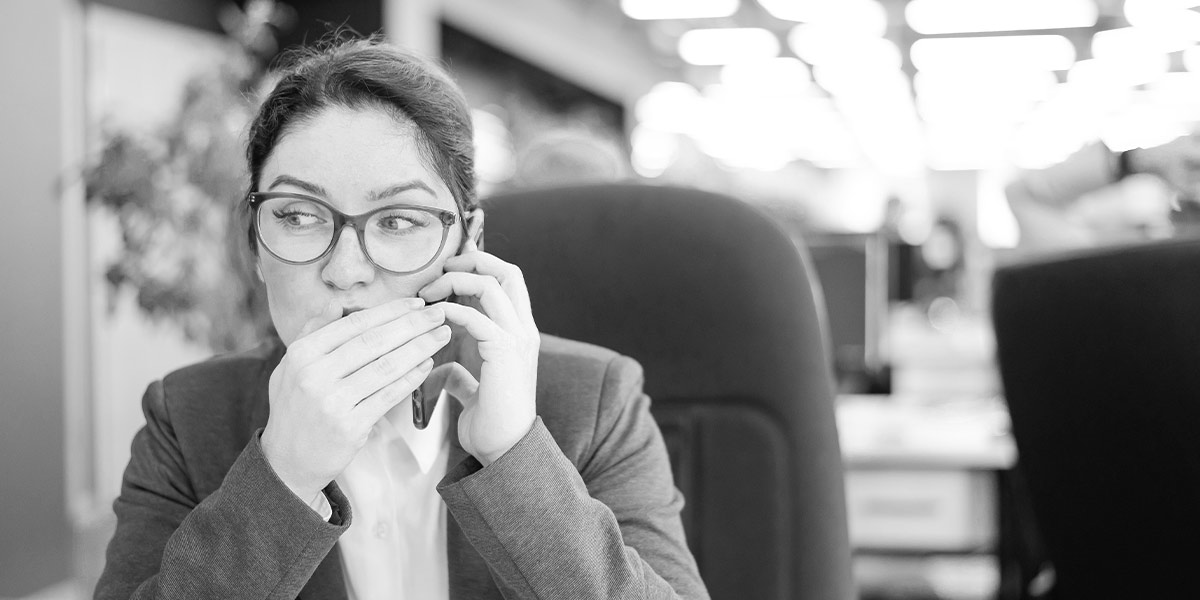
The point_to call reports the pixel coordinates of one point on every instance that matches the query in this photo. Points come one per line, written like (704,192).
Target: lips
(350,309)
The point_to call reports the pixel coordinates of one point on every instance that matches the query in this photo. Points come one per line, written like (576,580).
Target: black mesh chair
(716,303)
(1100,357)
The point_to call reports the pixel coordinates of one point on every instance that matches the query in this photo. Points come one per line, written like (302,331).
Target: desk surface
(896,432)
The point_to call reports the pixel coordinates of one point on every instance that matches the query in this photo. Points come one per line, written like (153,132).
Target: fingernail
(414,303)
(441,334)
(435,314)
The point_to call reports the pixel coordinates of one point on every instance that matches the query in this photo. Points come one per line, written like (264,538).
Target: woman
(296,469)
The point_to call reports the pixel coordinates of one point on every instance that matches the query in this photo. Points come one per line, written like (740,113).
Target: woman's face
(349,158)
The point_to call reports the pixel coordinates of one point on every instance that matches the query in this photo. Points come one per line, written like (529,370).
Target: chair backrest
(716,302)
(1100,358)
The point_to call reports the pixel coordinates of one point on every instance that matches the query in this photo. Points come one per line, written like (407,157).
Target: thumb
(456,380)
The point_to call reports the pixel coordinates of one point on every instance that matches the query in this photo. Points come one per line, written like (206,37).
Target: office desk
(930,483)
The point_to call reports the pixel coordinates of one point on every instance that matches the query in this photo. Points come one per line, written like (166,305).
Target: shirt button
(382,530)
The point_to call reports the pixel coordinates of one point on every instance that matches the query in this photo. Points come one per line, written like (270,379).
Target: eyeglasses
(398,238)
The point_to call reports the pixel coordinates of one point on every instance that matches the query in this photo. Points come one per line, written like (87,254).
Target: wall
(37,538)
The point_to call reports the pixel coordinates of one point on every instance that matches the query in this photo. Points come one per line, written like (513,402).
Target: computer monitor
(852,269)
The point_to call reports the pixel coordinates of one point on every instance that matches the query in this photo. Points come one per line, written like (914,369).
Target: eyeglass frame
(357,222)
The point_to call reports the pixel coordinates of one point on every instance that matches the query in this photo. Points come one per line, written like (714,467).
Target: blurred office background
(879,132)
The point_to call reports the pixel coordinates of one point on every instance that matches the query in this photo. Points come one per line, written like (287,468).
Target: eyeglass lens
(396,238)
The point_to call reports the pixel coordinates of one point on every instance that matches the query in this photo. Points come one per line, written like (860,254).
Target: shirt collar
(424,444)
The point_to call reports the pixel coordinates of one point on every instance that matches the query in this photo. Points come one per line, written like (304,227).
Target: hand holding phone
(499,404)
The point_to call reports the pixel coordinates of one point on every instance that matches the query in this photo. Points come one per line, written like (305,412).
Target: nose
(347,266)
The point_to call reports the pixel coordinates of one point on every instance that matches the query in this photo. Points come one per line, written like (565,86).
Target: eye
(402,221)
(298,216)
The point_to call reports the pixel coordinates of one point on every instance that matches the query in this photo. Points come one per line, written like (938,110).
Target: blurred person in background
(410,433)
(569,157)
(1097,197)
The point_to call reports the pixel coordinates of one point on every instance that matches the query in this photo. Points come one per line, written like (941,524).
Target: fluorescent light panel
(1122,71)
(669,106)
(932,17)
(964,54)
(727,46)
(828,46)
(678,9)
(774,75)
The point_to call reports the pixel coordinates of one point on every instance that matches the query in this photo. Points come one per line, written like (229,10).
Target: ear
(474,239)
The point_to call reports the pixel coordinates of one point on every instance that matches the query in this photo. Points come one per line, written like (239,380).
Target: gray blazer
(583,506)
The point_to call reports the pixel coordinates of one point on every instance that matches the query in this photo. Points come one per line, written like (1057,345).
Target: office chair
(1100,358)
(716,303)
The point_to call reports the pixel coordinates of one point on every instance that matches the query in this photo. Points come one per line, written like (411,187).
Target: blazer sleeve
(251,538)
(609,530)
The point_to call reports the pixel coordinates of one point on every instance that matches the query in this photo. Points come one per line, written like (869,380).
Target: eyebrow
(311,188)
(387,192)
(400,188)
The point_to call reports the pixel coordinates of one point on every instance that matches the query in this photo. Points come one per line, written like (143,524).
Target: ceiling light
(965,54)
(829,46)
(784,75)
(726,46)
(932,17)
(1026,85)
(1120,71)
(1125,41)
(883,120)
(678,9)
(863,16)
(653,150)
(1162,14)
(669,106)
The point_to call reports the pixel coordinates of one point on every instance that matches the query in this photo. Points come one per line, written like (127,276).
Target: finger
(392,366)
(496,304)
(373,343)
(511,279)
(340,331)
(456,380)
(478,325)
(329,314)
(373,407)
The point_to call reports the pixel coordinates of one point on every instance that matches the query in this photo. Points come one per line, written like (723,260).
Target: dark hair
(371,73)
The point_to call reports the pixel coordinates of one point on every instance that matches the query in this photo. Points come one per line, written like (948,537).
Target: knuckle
(395,393)
(493,284)
(308,383)
(372,339)
(434,339)
(326,409)
(359,320)
(386,365)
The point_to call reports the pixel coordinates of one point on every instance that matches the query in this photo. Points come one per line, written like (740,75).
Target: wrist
(306,492)
(486,458)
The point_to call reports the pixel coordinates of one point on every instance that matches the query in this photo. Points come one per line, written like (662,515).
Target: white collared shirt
(395,548)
